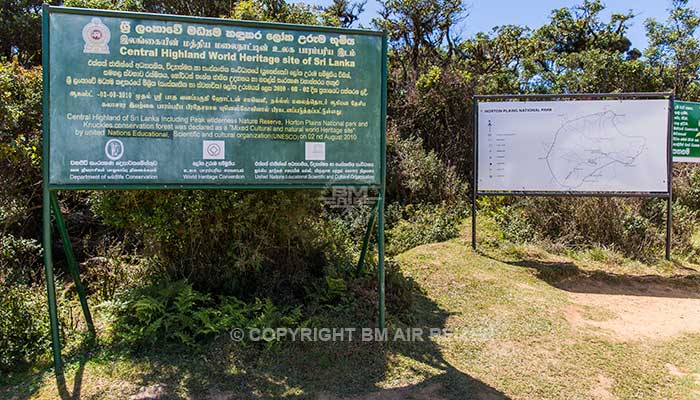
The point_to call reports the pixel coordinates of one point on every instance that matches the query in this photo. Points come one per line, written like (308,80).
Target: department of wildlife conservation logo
(114,149)
(96,36)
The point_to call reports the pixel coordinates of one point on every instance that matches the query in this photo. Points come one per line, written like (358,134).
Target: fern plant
(176,313)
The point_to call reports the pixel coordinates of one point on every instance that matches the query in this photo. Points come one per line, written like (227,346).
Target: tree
(579,52)
(674,49)
(419,29)
(209,8)
(495,62)
(276,11)
(124,5)
(20,30)
(428,95)
(343,12)
(576,29)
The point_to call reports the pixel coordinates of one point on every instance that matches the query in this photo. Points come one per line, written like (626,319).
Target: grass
(506,305)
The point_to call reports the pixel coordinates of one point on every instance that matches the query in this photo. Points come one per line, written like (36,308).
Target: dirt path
(637,310)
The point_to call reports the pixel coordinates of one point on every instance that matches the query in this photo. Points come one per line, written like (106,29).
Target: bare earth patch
(640,309)
(602,390)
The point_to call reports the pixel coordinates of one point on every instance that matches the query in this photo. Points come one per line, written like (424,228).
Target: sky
(483,15)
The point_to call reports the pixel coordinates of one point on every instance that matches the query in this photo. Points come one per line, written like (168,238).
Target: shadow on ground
(62,387)
(568,276)
(313,370)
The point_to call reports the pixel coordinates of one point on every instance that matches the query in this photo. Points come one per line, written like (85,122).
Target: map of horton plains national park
(573,146)
(591,148)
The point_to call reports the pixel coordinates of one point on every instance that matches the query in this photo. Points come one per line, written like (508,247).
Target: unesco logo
(213,150)
(114,149)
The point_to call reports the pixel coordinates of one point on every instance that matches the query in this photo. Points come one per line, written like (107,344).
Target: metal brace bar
(365,240)
(72,264)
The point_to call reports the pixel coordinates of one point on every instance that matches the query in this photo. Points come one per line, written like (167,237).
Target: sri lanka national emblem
(96,36)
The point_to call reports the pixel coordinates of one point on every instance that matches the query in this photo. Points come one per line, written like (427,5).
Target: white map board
(573,146)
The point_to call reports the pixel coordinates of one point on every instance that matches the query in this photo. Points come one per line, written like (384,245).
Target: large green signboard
(151,100)
(686,132)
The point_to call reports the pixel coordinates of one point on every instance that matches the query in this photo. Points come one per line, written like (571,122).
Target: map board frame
(668,195)
(50,201)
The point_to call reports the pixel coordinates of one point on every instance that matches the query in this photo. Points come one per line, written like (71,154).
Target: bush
(113,270)
(20,260)
(175,313)
(25,334)
(245,243)
(20,171)
(433,103)
(424,224)
(514,224)
(635,227)
(415,175)
(686,186)
(684,226)
(24,325)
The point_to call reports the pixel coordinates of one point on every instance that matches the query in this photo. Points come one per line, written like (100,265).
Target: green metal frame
(50,200)
(46,200)
(365,239)
(72,264)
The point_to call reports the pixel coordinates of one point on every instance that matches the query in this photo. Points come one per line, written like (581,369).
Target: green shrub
(176,313)
(686,185)
(640,238)
(684,226)
(514,224)
(20,260)
(245,243)
(415,175)
(424,224)
(20,171)
(25,335)
(635,227)
(431,102)
(24,325)
(114,269)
